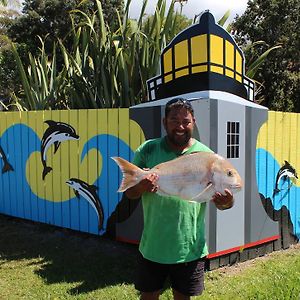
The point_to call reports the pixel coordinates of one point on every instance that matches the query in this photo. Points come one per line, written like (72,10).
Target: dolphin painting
(88,192)
(286,171)
(7,166)
(56,133)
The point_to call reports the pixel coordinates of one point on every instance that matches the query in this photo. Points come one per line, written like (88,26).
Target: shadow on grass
(68,256)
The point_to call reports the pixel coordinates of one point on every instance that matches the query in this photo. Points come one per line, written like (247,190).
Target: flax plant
(110,68)
(42,84)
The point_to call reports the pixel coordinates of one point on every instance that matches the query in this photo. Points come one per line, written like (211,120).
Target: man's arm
(148,184)
(223,202)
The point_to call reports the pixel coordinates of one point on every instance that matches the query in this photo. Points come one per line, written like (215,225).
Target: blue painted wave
(17,199)
(267,168)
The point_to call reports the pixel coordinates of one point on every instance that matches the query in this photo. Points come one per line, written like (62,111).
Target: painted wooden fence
(28,143)
(80,190)
(278,160)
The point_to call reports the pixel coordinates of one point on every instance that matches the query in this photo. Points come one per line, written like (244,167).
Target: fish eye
(66,134)
(229,173)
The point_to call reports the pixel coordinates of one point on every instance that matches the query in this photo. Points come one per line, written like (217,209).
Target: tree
(51,19)
(273,21)
(42,18)
(9,79)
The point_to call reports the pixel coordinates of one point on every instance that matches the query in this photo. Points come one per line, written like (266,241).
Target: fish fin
(7,167)
(77,194)
(162,193)
(46,171)
(194,199)
(56,146)
(131,173)
(94,187)
(50,122)
(191,201)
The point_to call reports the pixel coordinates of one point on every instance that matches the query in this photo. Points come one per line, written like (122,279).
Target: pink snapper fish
(194,177)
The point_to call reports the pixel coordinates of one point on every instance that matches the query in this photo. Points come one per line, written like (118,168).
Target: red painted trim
(241,248)
(124,240)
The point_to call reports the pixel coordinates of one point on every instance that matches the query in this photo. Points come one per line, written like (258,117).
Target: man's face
(179,126)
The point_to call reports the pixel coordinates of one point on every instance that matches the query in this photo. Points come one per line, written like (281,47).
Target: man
(173,240)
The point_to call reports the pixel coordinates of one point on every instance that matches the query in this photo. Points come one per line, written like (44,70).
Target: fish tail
(276,191)
(100,224)
(46,171)
(7,167)
(131,173)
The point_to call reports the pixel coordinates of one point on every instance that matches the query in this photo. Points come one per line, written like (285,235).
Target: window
(233,139)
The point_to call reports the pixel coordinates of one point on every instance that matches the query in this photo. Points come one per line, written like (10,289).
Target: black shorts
(186,278)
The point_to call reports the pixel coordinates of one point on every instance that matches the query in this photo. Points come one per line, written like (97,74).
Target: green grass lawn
(43,262)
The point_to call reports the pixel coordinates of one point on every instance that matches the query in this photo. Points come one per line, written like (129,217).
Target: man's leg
(151,277)
(187,279)
(150,296)
(179,296)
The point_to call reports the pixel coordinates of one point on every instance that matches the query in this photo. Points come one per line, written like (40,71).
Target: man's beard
(179,140)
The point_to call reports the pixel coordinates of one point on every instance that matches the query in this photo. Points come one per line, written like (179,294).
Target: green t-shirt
(174,229)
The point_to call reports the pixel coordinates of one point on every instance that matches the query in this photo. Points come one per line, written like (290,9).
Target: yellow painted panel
(113,125)
(199,49)
(238,78)
(238,61)
(73,157)
(83,133)
(168,78)
(216,49)
(136,135)
(293,140)
(9,120)
(15,117)
(3,122)
(38,186)
(124,125)
(199,69)
(216,69)
(282,138)
(102,129)
(229,73)
(261,136)
(297,137)
(102,121)
(286,123)
(278,141)
(56,162)
(31,165)
(167,61)
(65,161)
(229,50)
(93,155)
(270,140)
(182,73)
(181,54)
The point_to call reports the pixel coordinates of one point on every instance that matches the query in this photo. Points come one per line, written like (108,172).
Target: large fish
(194,177)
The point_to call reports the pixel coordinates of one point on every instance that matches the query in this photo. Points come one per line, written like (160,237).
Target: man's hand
(223,202)
(148,184)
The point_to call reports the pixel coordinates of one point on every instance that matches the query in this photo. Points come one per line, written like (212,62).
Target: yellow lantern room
(203,57)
